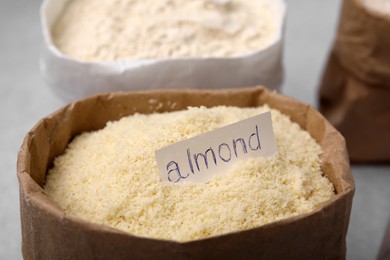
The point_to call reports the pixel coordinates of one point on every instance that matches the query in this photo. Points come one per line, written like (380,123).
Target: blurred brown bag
(355,89)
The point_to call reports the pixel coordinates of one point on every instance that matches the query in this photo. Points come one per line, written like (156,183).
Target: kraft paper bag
(355,90)
(49,233)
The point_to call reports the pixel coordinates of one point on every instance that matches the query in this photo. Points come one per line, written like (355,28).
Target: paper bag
(355,89)
(72,79)
(49,233)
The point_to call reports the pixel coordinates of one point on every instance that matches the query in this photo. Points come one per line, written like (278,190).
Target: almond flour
(104,30)
(110,177)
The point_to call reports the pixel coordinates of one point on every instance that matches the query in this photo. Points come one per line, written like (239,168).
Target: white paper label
(199,158)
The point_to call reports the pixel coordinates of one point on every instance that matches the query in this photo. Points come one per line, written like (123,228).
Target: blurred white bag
(72,79)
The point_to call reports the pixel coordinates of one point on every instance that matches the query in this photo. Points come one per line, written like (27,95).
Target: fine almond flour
(110,177)
(91,30)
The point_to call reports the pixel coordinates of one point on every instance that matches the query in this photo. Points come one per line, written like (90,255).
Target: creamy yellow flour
(110,177)
(91,30)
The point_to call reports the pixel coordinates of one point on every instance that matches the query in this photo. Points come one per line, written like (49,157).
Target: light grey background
(24,99)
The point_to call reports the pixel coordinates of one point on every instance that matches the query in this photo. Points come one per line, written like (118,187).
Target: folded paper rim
(373,12)
(361,43)
(335,161)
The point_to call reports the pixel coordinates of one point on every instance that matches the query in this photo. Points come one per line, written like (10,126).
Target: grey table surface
(24,99)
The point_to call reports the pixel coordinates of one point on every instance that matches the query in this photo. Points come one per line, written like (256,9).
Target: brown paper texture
(355,89)
(48,233)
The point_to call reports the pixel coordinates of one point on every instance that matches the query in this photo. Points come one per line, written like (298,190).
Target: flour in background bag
(90,30)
